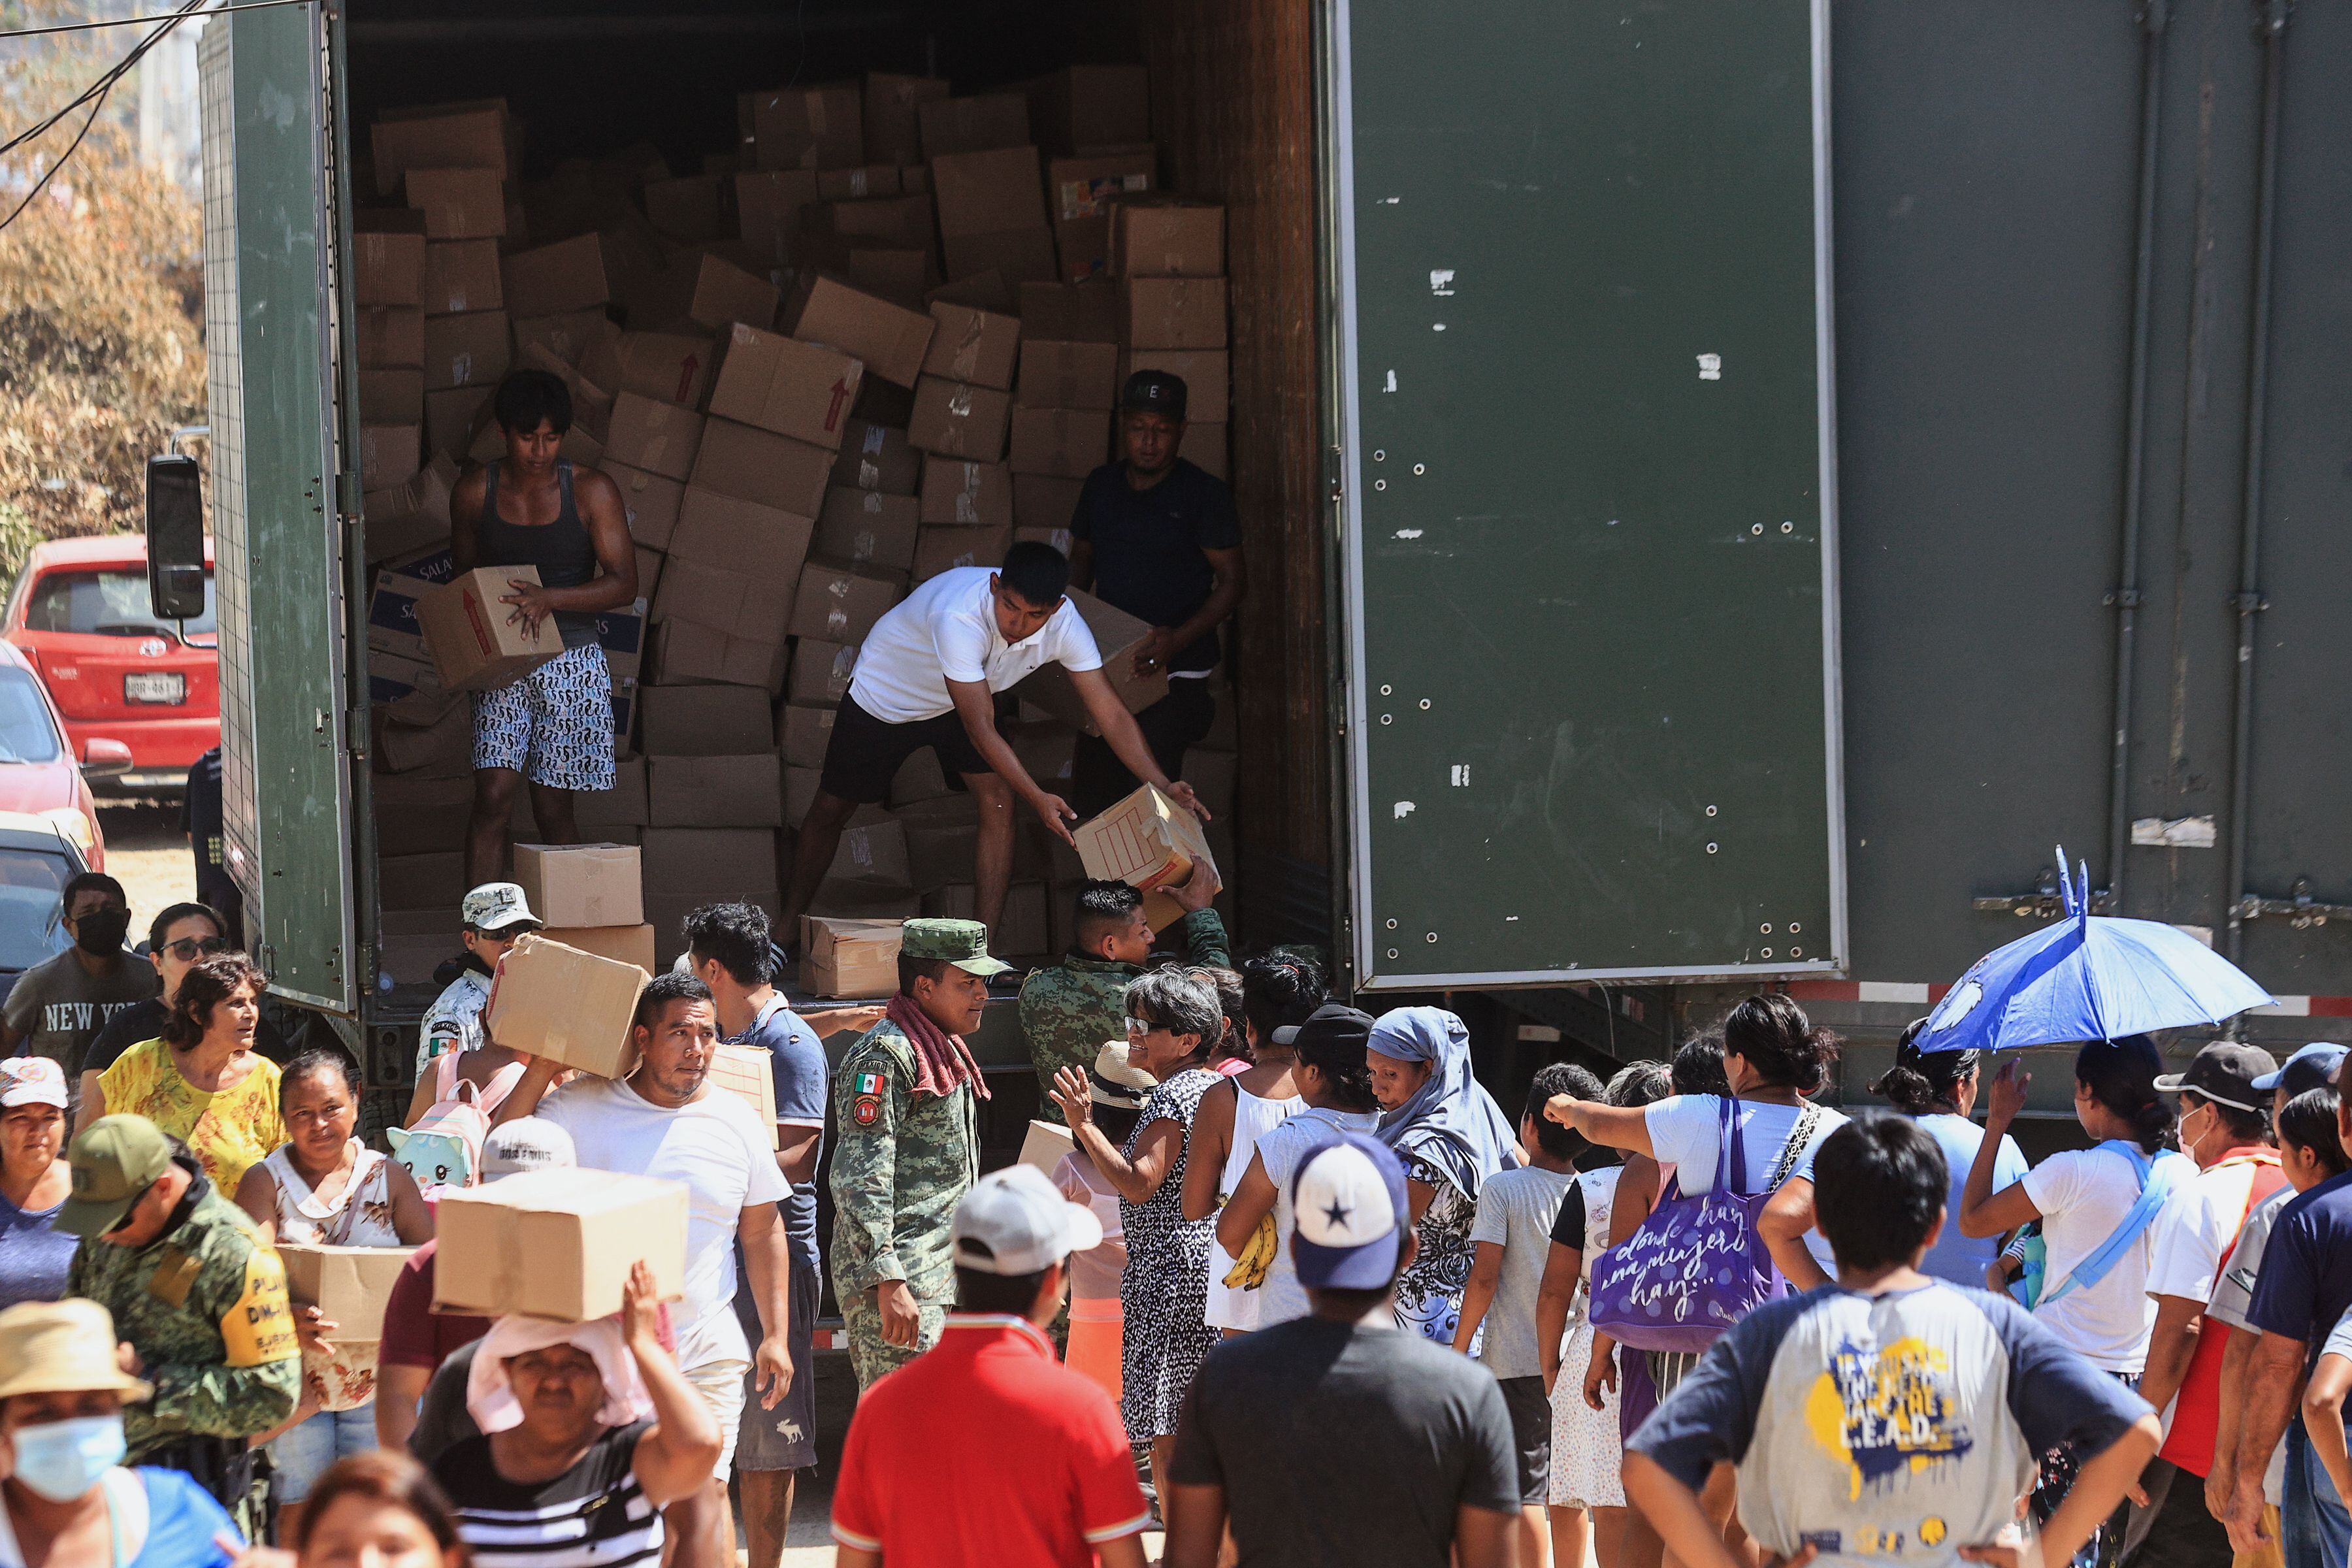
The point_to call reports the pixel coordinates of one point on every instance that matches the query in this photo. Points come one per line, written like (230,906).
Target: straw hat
(62,1347)
(1115,1083)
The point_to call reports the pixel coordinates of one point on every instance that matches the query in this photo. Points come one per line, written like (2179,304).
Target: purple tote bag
(1695,1265)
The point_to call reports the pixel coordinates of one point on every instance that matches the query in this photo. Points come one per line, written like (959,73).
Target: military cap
(963,943)
(113,1161)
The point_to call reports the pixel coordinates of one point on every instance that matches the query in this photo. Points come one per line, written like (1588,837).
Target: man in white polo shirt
(928,676)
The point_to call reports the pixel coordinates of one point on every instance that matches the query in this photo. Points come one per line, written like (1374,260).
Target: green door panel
(1582,378)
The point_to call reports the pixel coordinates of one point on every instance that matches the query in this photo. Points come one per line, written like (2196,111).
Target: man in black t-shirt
(1159,538)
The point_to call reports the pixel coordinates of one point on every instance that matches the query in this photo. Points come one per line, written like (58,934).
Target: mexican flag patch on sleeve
(869,1083)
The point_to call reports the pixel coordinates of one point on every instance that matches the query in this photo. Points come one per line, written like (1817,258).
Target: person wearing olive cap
(1157,537)
(906,1099)
(196,1295)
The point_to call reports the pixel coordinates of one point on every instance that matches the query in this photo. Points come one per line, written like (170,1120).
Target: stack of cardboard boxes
(880,337)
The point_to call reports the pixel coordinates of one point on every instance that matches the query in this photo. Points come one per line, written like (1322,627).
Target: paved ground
(147,853)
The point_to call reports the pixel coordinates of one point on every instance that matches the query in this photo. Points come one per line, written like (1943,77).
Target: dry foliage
(101,338)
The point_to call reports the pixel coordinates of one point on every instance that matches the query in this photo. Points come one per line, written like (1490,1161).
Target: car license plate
(154,687)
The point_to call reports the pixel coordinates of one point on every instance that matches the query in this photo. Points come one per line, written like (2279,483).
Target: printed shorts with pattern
(554,725)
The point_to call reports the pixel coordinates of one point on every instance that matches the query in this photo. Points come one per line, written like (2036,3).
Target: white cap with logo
(1024,1223)
(494,906)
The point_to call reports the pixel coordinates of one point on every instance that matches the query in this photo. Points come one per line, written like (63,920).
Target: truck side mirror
(175,538)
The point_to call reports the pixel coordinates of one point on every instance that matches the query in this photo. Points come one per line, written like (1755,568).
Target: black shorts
(1530,1410)
(865,754)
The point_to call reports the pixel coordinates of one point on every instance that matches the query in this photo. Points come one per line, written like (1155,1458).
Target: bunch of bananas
(1248,1271)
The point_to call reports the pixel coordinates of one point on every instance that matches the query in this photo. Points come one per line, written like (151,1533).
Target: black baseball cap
(1154,392)
(1333,1023)
(2225,1073)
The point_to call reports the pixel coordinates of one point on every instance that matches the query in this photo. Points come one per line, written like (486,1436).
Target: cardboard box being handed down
(1147,841)
(478,643)
(550,1000)
(557,1244)
(349,1285)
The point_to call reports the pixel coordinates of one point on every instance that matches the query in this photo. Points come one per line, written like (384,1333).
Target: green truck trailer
(1728,484)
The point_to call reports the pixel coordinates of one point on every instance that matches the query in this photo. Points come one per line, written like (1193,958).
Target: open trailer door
(275,514)
(1581,397)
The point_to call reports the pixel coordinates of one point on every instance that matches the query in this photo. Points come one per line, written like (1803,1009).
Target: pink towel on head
(490,1393)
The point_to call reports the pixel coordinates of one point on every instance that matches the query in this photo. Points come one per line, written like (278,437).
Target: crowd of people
(1299,1291)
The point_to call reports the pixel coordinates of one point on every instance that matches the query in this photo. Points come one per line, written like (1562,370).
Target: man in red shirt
(1042,1475)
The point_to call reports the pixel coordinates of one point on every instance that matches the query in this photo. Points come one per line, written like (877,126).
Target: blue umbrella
(2087,977)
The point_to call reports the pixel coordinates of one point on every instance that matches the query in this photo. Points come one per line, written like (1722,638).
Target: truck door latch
(2046,901)
(2302,911)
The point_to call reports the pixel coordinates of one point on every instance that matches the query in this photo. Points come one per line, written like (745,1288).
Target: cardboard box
(780,384)
(893,115)
(388,451)
(840,604)
(972,495)
(652,503)
(391,397)
(708,865)
(391,335)
(453,136)
(692,211)
(702,289)
(749,1073)
(920,778)
(944,548)
(668,367)
(572,336)
(799,793)
(388,268)
(1080,194)
(981,291)
(658,437)
(622,945)
(557,1244)
(726,601)
(987,193)
(443,747)
(574,274)
(1204,448)
(349,1285)
(428,816)
(956,419)
(891,339)
(942,853)
(1024,255)
(1045,1146)
(872,854)
(1207,375)
(411,944)
(758,542)
(649,570)
(704,720)
(689,654)
(411,515)
(1172,313)
(429,881)
(1070,443)
(459,204)
(461,276)
(757,464)
(1069,312)
(868,527)
(978,347)
(821,671)
(1024,929)
(622,806)
(953,125)
(1147,841)
(479,644)
(551,1000)
(1093,106)
(581,884)
(1044,504)
(809,126)
(1116,633)
(866,180)
(1166,237)
(768,205)
(1067,375)
(716,792)
(877,458)
(897,275)
(466,351)
(885,223)
(453,421)
(803,733)
(849,958)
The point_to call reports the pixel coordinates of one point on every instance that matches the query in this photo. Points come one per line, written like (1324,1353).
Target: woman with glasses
(201,1081)
(181,937)
(1173,1018)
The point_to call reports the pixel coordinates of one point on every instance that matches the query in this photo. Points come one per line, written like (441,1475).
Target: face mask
(63,1459)
(102,931)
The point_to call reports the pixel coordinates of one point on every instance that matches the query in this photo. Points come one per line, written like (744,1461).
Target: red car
(38,776)
(123,679)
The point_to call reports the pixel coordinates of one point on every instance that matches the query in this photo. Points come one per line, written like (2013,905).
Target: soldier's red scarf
(943,1063)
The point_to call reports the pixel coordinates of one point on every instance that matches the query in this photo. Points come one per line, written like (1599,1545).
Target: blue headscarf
(1451,1121)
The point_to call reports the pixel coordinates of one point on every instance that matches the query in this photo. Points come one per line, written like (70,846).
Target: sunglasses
(188,949)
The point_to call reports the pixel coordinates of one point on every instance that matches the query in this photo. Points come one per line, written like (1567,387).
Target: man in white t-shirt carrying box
(928,676)
(667,1120)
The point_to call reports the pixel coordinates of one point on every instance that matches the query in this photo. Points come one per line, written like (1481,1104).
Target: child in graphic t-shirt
(1889,1417)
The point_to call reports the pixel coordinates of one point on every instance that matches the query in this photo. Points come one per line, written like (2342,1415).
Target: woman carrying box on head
(532,508)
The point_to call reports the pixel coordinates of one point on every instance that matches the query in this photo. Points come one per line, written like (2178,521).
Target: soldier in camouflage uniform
(906,1100)
(197,1295)
(1072,1010)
